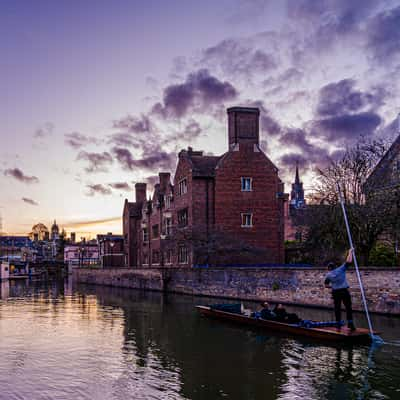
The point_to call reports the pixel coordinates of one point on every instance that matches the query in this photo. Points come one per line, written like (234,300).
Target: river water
(59,341)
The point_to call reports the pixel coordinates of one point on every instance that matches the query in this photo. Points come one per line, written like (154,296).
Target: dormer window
(182,187)
(247,184)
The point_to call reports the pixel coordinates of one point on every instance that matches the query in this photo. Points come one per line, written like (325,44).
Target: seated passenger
(266,313)
(283,316)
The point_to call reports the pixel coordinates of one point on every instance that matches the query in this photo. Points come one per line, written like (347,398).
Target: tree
(323,222)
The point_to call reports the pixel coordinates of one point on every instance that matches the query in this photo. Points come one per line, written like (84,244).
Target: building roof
(204,166)
(382,176)
(134,209)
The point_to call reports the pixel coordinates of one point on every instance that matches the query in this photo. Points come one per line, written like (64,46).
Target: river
(59,341)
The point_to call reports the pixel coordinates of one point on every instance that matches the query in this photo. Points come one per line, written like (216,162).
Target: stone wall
(286,285)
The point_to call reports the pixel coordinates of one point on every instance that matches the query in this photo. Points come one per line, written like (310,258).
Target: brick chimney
(140,192)
(243,125)
(164,181)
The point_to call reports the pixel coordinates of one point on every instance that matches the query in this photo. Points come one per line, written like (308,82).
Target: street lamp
(112,247)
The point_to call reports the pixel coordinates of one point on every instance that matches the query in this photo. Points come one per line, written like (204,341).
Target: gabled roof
(382,176)
(204,166)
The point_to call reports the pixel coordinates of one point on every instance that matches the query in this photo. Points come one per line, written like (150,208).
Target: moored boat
(329,333)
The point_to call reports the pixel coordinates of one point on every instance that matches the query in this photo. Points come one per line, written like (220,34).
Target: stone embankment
(299,286)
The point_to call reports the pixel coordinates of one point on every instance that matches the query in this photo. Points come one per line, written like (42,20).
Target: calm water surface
(58,341)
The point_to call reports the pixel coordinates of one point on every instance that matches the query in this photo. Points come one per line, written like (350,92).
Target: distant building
(219,210)
(111,250)
(55,231)
(39,232)
(14,246)
(293,208)
(297,194)
(81,254)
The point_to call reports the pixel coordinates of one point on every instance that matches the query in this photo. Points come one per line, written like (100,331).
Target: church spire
(297,179)
(297,194)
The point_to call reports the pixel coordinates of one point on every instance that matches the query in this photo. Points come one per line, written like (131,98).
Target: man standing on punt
(336,279)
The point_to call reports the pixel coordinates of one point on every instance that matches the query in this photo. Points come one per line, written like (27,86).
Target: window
(183,255)
(154,231)
(247,184)
(145,259)
(247,220)
(167,200)
(145,235)
(168,256)
(183,217)
(168,226)
(155,259)
(182,187)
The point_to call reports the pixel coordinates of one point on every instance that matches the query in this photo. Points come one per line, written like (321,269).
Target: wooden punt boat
(345,335)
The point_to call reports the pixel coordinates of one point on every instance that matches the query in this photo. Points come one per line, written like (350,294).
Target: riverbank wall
(299,286)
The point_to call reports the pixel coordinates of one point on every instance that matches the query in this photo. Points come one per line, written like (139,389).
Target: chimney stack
(243,125)
(164,181)
(140,192)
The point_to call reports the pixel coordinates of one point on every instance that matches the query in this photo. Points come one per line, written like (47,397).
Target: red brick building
(219,210)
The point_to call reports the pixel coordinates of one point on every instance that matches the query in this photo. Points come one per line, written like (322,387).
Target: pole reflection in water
(106,343)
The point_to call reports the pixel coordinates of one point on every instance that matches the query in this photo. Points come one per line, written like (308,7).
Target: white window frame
(244,187)
(244,219)
(167,201)
(182,187)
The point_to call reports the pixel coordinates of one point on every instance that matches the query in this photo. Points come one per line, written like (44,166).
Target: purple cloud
(30,201)
(160,159)
(307,153)
(239,57)
(199,91)
(98,162)
(347,126)
(383,35)
(133,124)
(120,186)
(340,98)
(46,130)
(98,189)
(17,174)
(328,20)
(77,140)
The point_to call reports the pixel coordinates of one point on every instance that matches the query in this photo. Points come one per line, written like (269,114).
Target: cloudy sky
(98,95)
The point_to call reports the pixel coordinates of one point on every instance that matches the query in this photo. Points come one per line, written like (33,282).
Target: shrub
(382,256)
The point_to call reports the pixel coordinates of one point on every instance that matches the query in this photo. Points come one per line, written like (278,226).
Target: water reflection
(62,342)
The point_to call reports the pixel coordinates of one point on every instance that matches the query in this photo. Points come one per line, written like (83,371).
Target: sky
(98,95)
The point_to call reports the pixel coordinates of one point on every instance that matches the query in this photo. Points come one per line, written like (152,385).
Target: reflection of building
(293,207)
(111,250)
(220,209)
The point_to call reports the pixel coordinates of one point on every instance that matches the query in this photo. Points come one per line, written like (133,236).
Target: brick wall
(286,285)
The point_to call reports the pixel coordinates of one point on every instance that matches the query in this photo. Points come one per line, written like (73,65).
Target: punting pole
(374,338)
